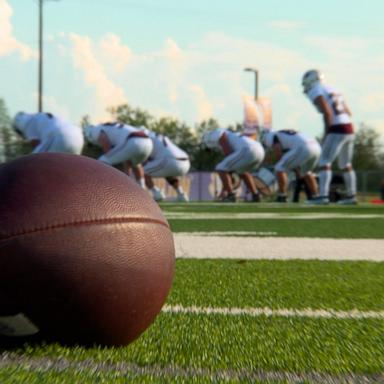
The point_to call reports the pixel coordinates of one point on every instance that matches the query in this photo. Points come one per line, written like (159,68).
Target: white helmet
(21,120)
(89,134)
(211,138)
(266,138)
(311,78)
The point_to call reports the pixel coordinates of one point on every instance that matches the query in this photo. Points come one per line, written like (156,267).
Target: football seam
(118,220)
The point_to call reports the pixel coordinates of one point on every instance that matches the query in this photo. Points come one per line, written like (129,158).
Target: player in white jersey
(49,133)
(166,160)
(294,151)
(121,144)
(339,136)
(242,155)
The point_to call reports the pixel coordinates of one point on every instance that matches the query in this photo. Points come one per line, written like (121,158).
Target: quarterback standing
(49,133)
(339,136)
(242,155)
(121,144)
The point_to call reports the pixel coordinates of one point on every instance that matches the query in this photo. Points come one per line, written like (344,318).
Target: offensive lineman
(242,155)
(166,160)
(49,133)
(121,143)
(338,136)
(296,152)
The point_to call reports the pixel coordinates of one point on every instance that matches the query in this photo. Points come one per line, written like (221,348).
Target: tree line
(368,153)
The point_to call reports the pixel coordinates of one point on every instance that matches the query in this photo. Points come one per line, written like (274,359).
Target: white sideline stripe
(284,312)
(276,248)
(268,215)
(166,372)
(228,233)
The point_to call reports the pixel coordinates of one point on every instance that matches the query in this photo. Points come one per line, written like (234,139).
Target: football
(86,255)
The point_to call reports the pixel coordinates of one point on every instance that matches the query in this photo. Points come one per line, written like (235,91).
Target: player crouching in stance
(339,136)
(49,133)
(296,152)
(166,160)
(121,144)
(242,155)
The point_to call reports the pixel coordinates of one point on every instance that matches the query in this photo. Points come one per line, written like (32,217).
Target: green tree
(129,115)
(10,144)
(368,152)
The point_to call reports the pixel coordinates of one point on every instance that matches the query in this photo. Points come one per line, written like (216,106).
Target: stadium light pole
(41,57)
(256,72)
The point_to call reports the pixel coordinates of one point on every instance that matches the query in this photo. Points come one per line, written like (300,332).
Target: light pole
(41,56)
(256,72)
(40,71)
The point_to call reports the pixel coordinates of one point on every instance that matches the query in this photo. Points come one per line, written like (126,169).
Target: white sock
(350,182)
(180,190)
(141,182)
(155,189)
(325,177)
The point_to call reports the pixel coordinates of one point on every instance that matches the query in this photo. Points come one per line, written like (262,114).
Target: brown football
(86,256)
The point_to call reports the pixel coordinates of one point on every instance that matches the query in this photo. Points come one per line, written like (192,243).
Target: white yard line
(283,312)
(172,371)
(209,246)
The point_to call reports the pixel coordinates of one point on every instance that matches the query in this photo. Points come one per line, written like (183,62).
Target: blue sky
(186,59)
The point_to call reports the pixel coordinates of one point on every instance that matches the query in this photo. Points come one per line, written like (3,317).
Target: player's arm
(34,142)
(277,150)
(347,110)
(324,108)
(104,142)
(224,143)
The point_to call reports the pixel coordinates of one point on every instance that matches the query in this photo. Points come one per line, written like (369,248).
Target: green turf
(190,348)
(279,284)
(267,207)
(325,228)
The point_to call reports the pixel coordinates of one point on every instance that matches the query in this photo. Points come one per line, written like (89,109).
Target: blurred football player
(295,152)
(338,139)
(166,160)
(242,155)
(49,133)
(121,144)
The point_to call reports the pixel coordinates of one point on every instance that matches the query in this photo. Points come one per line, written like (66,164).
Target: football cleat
(321,200)
(182,198)
(281,199)
(348,201)
(230,198)
(158,195)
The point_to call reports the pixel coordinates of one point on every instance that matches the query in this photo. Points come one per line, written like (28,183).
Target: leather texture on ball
(85,254)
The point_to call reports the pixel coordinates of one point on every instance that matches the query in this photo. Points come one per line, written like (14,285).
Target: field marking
(60,364)
(228,233)
(267,215)
(276,248)
(269,312)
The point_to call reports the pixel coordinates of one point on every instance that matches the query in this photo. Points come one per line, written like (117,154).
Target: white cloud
(175,59)
(203,105)
(114,52)
(8,43)
(107,93)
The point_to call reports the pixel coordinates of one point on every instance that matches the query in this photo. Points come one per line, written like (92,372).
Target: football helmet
(20,121)
(211,139)
(311,78)
(266,138)
(89,134)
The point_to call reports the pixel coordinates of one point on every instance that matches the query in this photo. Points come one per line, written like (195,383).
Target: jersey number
(337,103)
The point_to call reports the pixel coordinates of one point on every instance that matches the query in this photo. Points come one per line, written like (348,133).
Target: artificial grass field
(205,348)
